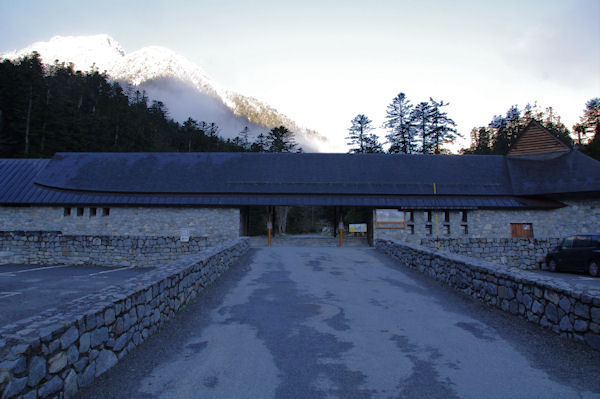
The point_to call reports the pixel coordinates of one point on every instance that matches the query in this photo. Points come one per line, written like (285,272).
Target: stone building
(541,189)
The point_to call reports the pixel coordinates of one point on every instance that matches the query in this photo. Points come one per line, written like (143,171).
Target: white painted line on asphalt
(40,268)
(8,294)
(7,274)
(111,271)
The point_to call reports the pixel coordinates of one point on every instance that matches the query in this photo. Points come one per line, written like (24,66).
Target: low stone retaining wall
(570,310)
(52,247)
(59,351)
(523,253)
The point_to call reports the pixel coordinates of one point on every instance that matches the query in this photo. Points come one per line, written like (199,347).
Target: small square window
(447,216)
(67,212)
(92,212)
(105,211)
(79,211)
(428,216)
(463,216)
(428,229)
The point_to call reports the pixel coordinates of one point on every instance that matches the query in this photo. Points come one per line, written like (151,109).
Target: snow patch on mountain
(85,52)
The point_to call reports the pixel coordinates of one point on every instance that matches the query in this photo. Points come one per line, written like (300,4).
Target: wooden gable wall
(537,140)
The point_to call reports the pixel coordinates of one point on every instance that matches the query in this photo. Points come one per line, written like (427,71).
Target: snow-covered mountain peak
(156,62)
(100,51)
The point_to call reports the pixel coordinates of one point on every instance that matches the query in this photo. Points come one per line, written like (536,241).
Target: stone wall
(579,216)
(217,223)
(569,310)
(44,248)
(57,352)
(523,253)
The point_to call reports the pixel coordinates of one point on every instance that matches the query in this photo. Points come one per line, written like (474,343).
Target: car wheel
(552,266)
(593,268)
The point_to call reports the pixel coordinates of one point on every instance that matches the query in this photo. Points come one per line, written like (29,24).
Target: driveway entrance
(346,323)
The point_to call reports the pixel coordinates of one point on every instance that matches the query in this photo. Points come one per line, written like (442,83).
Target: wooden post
(437,232)
(269,225)
(341,227)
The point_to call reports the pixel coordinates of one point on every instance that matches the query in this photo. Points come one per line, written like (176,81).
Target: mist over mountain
(185,89)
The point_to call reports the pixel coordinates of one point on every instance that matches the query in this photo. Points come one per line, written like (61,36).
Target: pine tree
(280,139)
(421,119)
(359,134)
(372,144)
(399,123)
(260,145)
(590,124)
(242,139)
(442,127)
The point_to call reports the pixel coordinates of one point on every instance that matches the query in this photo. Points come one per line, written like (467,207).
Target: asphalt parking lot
(26,290)
(583,280)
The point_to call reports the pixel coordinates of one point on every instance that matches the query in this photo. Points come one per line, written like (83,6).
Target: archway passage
(307,225)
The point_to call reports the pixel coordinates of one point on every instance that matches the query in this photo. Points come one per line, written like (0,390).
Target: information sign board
(358,228)
(184,235)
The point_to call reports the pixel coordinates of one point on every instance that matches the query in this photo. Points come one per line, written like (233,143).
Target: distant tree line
(504,130)
(427,128)
(48,109)
(424,128)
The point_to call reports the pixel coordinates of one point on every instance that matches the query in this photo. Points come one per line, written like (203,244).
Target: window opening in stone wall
(105,211)
(463,216)
(447,229)
(92,212)
(428,216)
(428,229)
(390,219)
(465,229)
(67,212)
(446,216)
(410,215)
(411,228)
(521,230)
(79,211)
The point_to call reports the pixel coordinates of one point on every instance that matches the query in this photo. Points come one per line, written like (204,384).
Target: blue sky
(323,62)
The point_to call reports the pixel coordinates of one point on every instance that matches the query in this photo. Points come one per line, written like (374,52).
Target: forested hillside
(44,110)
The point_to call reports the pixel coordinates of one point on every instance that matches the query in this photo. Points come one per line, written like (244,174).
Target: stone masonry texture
(569,310)
(524,253)
(217,223)
(579,216)
(46,248)
(58,351)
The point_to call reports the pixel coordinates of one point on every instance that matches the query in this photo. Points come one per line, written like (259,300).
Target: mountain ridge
(166,76)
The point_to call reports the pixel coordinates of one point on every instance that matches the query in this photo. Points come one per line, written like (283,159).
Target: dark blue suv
(579,253)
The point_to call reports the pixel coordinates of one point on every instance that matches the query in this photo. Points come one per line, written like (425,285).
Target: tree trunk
(282,213)
(27,123)
(116,134)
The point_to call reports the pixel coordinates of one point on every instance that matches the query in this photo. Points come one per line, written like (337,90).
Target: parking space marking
(111,271)
(32,270)
(8,294)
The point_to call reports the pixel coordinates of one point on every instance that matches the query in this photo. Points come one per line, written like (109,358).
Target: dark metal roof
(277,173)
(554,173)
(238,179)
